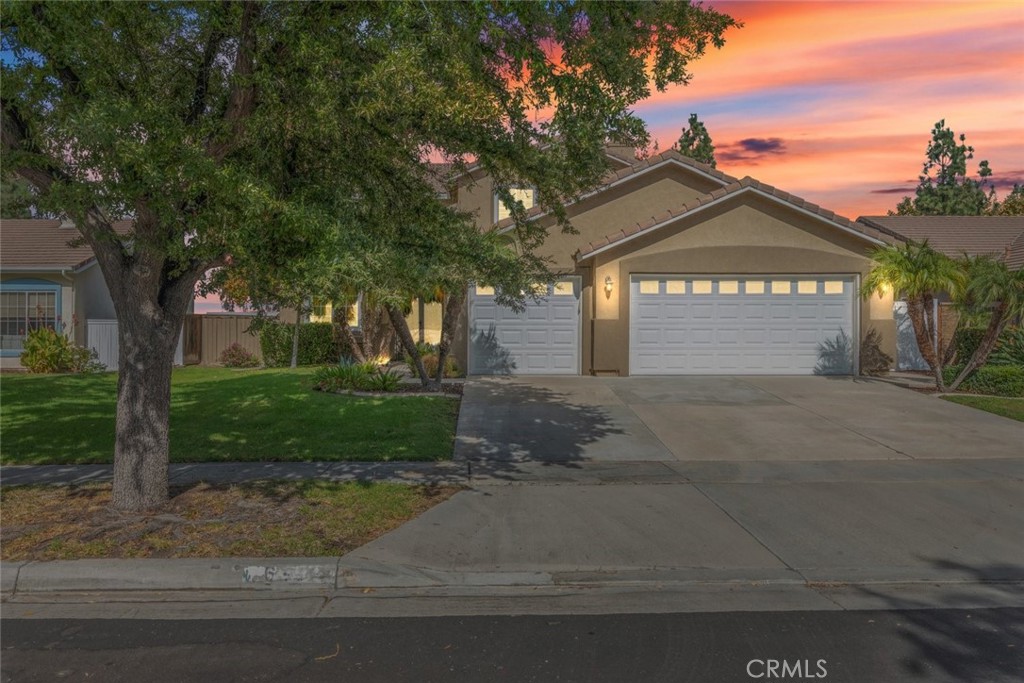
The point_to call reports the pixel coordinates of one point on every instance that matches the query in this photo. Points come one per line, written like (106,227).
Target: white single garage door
(692,325)
(544,339)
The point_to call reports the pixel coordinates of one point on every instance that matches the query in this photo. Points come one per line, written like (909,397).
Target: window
(701,286)
(25,307)
(675,287)
(781,286)
(753,287)
(728,287)
(564,288)
(524,195)
(323,312)
(484,290)
(833,286)
(648,286)
(807,287)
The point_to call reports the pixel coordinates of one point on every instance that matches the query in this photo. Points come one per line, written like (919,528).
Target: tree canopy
(16,198)
(217,127)
(695,142)
(944,186)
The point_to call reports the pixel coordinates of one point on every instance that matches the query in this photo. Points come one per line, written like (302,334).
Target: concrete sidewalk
(239,472)
(614,537)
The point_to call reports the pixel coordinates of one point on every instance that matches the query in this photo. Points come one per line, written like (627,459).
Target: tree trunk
(350,339)
(996,324)
(295,341)
(142,444)
(449,323)
(401,326)
(924,333)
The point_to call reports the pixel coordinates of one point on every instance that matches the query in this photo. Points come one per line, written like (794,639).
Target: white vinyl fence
(101,335)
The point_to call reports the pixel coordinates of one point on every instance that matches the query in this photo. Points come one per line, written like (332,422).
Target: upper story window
(526,196)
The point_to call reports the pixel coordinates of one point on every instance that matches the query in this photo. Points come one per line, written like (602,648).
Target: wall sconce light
(608,284)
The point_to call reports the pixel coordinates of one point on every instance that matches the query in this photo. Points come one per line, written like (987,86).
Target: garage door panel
(542,339)
(716,330)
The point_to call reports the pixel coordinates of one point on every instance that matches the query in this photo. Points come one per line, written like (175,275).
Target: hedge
(996,380)
(318,344)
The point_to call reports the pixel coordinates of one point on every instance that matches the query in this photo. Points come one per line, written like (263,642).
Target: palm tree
(918,273)
(993,290)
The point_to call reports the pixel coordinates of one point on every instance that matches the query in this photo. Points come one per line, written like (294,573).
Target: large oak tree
(213,124)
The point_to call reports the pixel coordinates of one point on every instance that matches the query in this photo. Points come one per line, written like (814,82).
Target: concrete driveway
(588,419)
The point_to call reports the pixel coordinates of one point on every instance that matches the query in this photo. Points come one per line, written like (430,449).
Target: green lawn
(219,414)
(1012,408)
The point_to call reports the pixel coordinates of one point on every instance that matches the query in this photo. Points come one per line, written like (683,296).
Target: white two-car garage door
(691,325)
(544,339)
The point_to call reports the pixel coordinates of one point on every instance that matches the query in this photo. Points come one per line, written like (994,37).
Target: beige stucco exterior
(742,233)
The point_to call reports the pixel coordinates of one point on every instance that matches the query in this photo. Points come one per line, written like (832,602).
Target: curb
(331,574)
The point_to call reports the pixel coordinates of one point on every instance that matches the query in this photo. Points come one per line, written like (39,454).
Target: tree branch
(242,100)
(202,85)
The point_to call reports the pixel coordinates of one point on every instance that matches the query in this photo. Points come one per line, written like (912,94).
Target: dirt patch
(263,519)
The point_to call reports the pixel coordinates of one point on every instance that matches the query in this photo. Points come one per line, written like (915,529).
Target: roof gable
(736,189)
(613,179)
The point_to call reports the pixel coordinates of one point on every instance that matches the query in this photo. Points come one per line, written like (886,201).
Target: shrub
(966,341)
(429,354)
(873,360)
(1009,348)
(451,367)
(46,350)
(384,380)
(318,344)
(349,376)
(237,356)
(997,380)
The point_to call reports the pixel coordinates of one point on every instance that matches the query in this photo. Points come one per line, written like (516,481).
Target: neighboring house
(49,279)
(678,268)
(1001,237)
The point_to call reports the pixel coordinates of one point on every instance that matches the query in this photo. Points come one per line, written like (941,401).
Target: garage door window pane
(675,287)
(781,286)
(807,287)
(833,286)
(564,288)
(483,290)
(754,287)
(728,287)
(648,286)
(702,286)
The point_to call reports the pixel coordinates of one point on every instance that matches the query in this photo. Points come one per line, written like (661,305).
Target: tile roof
(998,236)
(745,184)
(613,177)
(43,244)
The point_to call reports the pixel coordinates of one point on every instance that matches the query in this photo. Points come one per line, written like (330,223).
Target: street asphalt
(961,646)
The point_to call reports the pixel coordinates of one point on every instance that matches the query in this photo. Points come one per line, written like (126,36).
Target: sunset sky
(835,101)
